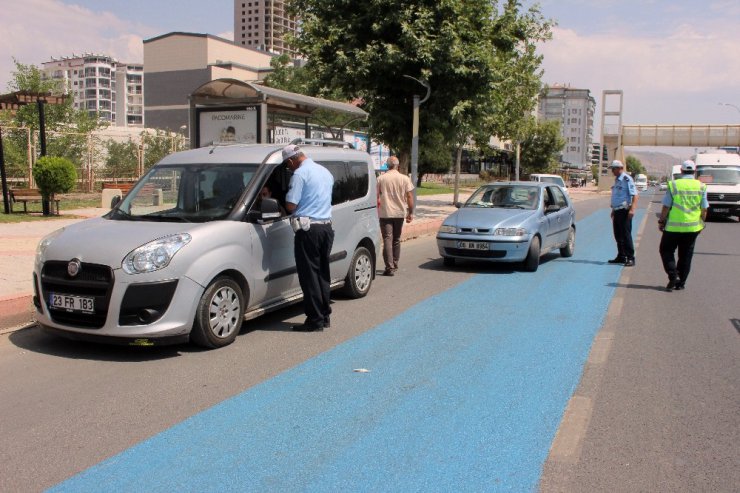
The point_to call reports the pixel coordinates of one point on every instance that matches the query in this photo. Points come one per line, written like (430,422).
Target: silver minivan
(200,244)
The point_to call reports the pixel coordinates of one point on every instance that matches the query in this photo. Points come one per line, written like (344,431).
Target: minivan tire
(532,262)
(220,313)
(360,275)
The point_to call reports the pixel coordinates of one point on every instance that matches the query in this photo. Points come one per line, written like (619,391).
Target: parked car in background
(641,182)
(509,222)
(663,186)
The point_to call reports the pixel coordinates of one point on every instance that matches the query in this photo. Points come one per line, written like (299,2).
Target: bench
(26,195)
(124,187)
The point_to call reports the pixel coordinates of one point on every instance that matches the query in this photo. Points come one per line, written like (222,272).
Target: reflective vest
(685,213)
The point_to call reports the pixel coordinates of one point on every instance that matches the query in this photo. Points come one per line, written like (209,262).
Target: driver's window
(559,197)
(548,197)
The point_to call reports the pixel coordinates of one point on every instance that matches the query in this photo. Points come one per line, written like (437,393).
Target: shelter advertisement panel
(228,126)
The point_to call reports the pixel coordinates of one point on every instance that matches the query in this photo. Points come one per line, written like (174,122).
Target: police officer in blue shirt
(623,204)
(309,202)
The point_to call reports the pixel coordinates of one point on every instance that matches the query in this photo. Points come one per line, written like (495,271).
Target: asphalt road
(662,408)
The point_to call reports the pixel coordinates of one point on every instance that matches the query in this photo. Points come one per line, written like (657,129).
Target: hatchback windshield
(724,175)
(190,193)
(505,196)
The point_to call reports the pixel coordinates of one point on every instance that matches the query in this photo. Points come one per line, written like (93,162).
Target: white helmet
(688,166)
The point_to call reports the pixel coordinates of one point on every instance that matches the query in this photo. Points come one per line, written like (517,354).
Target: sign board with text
(233,125)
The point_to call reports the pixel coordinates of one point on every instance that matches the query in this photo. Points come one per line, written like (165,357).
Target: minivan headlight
(44,244)
(447,229)
(154,255)
(510,232)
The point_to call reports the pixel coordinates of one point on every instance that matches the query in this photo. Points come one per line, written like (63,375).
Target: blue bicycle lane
(465,392)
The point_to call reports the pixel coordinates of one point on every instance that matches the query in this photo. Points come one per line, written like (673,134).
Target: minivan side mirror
(114,201)
(269,209)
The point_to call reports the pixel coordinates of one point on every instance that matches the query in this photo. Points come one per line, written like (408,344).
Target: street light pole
(415,132)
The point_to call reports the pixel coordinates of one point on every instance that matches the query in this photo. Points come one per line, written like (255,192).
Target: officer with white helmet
(681,220)
(624,205)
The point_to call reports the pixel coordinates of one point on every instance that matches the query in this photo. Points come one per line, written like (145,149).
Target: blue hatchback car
(510,222)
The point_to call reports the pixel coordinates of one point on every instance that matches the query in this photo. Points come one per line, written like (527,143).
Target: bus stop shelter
(230,110)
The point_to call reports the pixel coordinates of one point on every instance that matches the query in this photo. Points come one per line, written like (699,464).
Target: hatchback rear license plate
(71,303)
(472,245)
(721,209)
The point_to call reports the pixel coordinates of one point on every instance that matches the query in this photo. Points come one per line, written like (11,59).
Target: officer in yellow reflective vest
(681,220)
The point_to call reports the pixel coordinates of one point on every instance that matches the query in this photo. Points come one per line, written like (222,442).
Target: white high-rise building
(102,86)
(574,109)
(263,24)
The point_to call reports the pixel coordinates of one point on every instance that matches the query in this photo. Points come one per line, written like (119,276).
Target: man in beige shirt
(396,202)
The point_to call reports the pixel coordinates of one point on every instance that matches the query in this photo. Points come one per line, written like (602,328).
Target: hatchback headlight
(447,229)
(154,255)
(510,232)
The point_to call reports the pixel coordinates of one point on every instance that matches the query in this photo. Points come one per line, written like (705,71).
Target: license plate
(472,245)
(721,209)
(71,303)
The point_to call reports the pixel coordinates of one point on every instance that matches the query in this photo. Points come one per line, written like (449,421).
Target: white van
(720,170)
(545,178)
(195,248)
(641,182)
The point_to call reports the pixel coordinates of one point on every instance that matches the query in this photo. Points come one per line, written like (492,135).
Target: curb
(16,312)
(422,228)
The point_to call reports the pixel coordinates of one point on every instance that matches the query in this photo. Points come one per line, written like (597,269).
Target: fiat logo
(73,267)
(721,196)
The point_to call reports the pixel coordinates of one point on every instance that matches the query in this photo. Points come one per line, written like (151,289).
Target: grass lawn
(22,217)
(66,203)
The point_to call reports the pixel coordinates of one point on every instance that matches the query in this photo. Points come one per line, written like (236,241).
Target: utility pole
(415,132)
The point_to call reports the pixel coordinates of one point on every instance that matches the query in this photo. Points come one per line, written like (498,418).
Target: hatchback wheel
(220,313)
(360,275)
(569,248)
(532,262)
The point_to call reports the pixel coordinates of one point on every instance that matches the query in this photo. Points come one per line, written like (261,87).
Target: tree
(66,126)
(54,175)
(122,159)
(364,49)
(157,146)
(634,166)
(541,146)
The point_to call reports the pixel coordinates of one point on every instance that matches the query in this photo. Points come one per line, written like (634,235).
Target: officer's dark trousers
(623,234)
(684,242)
(312,250)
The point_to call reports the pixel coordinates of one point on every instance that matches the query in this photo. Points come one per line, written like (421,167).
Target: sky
(675,60)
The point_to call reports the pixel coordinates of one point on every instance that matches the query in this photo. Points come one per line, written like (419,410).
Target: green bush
(54,175)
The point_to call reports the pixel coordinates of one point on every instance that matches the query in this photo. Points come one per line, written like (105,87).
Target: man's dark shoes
(617,260)
(679,286)
(388,272)
(308,328)
(630,262)
(672,283)
(327,322)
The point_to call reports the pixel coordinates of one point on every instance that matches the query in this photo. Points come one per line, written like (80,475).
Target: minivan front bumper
(135,313)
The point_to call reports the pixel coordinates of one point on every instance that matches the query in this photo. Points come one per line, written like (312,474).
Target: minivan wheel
(360,274)
(220,313)
(532,262)
(570,245)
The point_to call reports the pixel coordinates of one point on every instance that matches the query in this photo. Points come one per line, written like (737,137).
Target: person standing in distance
(309,202)
(623,204)
(396,202)
(681,220)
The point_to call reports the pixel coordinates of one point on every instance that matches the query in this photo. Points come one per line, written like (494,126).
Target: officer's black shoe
(629,262)
(679,286)
(671,285)
(327,322)
(617,260)
(307,328)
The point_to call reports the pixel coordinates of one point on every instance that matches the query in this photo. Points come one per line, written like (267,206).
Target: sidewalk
(18,248)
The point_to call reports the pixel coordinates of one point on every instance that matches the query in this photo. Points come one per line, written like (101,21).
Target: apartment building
(263,25)
(102,86)
(574,109)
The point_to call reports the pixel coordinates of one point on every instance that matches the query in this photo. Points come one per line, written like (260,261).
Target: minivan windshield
(185,193)
(505,196)
(726,175)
